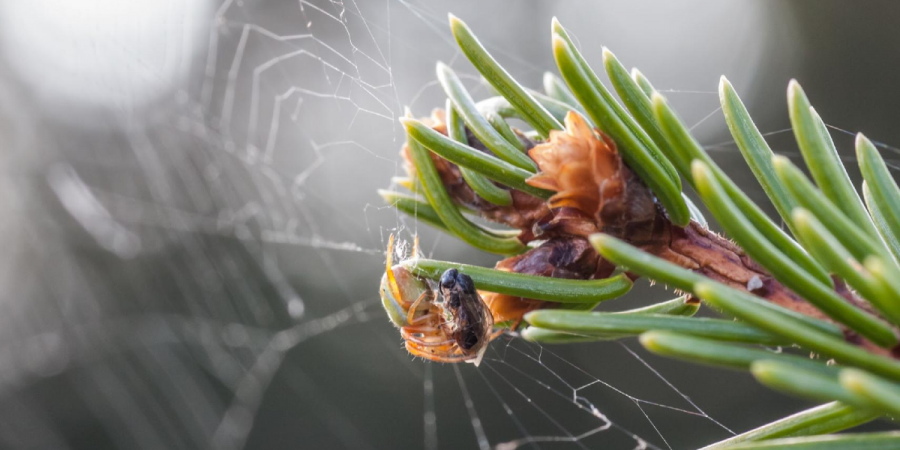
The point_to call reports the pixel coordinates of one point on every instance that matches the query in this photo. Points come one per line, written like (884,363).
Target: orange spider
(445,323)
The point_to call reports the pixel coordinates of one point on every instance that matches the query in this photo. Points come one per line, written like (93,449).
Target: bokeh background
(192,239)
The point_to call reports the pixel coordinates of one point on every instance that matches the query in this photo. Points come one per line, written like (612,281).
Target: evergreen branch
(828,418)
(451,217)
(686,149)
(536,287)
(530,110)
(482,186)
(480,127)
(589,323)
(642,155)
(755,150)
(782,267)
(822,159)
(465,156)
(882,194)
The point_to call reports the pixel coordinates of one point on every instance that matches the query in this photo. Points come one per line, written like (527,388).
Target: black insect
(465,310)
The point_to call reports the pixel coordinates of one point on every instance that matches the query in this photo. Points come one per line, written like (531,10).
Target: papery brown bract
(585,169)
(567,257)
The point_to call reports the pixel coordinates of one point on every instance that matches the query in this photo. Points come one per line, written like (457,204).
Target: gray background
(174,276)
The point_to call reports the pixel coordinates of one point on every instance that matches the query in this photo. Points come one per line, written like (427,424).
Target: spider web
(200,271)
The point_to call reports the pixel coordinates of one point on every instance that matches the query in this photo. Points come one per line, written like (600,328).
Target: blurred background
(192,239)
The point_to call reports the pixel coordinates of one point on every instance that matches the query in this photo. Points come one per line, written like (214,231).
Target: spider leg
(497,333)
(421,318)
(424,343)
(406,331)
(408,335)
(431,355)
(441,349)
(412,309)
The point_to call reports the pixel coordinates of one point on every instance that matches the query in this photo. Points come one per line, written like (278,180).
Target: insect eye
(448,279)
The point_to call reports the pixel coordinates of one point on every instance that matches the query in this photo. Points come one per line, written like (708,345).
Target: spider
(445,323)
